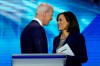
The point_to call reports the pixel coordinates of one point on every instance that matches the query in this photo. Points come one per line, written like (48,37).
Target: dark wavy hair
(73,23)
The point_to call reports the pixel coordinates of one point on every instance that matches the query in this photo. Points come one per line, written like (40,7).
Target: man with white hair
(33,38)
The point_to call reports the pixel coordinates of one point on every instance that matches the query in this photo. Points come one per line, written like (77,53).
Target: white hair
(43,7)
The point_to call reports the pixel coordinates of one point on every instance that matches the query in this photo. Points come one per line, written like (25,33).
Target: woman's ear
(67,26)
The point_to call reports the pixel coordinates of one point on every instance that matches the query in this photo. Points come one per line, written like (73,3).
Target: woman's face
(62,22)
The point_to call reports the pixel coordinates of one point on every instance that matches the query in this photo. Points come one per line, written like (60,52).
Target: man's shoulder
(32,26)
(34,23)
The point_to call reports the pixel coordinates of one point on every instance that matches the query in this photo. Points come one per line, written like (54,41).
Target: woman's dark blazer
(76,42)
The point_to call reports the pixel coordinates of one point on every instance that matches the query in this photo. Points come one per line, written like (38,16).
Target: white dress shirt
(38,21)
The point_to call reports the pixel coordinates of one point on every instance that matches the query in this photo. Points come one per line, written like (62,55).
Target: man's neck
(40,18)
(39,21)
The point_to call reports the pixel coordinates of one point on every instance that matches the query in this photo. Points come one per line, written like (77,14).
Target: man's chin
(46,25)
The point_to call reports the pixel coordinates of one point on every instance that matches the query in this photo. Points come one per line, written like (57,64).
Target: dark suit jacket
(33,39)
(76,42)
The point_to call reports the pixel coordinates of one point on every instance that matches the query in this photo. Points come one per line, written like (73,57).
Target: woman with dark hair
(70,35)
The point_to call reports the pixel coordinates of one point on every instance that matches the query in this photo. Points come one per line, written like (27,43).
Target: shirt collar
(38,21)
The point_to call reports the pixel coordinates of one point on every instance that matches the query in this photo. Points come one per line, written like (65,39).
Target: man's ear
(44,13)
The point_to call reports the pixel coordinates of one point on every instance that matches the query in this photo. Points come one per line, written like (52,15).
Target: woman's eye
(59,20)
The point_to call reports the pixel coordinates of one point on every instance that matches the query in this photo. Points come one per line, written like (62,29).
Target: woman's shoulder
(75,34)
(56,37)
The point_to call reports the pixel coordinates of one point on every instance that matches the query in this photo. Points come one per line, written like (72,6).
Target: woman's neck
(64,35)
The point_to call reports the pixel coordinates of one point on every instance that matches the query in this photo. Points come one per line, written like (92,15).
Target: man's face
(48,16)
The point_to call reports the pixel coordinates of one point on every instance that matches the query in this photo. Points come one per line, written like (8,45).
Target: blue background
(16,14)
